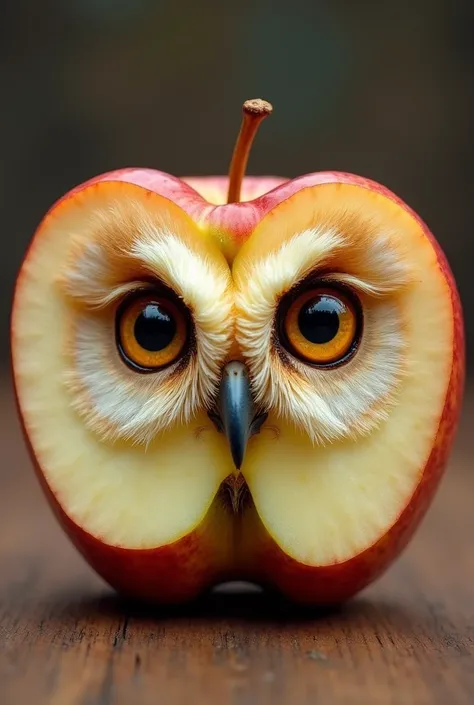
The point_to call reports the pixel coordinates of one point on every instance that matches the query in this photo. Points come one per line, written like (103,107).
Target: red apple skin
(180,570)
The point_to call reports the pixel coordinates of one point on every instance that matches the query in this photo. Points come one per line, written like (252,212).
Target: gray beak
(236,410)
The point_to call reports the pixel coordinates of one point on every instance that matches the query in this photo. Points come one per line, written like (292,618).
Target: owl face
(157,314)
(293,351)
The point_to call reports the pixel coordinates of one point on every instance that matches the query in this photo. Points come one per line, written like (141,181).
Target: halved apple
(316,513)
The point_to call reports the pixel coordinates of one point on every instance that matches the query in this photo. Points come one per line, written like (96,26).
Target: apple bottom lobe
(172,573)
(338,582)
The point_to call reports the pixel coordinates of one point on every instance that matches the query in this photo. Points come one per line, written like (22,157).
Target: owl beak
(236,409)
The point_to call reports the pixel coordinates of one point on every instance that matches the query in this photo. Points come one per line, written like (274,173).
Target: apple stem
(254,111)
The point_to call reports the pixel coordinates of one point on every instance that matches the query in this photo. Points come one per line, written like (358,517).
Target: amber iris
(320,326)
(151,331)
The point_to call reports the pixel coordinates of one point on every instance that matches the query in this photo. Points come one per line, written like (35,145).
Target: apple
(318,515)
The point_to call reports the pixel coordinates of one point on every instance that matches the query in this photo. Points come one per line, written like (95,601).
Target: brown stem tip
(254,111)
(257,106)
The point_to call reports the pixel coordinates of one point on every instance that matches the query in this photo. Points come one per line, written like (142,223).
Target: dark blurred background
(383,89)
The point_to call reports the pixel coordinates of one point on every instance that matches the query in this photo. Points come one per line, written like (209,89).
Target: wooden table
(66,639)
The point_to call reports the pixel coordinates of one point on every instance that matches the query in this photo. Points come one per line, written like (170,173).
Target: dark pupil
(318,319)
(154,328)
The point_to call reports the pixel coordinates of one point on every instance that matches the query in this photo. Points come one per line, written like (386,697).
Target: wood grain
(66,639)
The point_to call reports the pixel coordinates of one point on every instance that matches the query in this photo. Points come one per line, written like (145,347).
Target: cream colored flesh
(123,494)
(326,504)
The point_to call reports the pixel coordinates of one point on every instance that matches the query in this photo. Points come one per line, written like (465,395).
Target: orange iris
(151,330)
(321,326)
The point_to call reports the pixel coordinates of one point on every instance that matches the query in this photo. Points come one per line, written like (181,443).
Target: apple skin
(181,570)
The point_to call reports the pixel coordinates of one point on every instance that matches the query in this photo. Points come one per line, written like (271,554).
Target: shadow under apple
(240,604)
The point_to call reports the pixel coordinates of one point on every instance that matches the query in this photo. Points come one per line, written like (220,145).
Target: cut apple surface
(324,505)
(321,505)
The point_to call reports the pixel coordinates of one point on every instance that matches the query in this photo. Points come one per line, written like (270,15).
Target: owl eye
(321,326)
(151,330)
